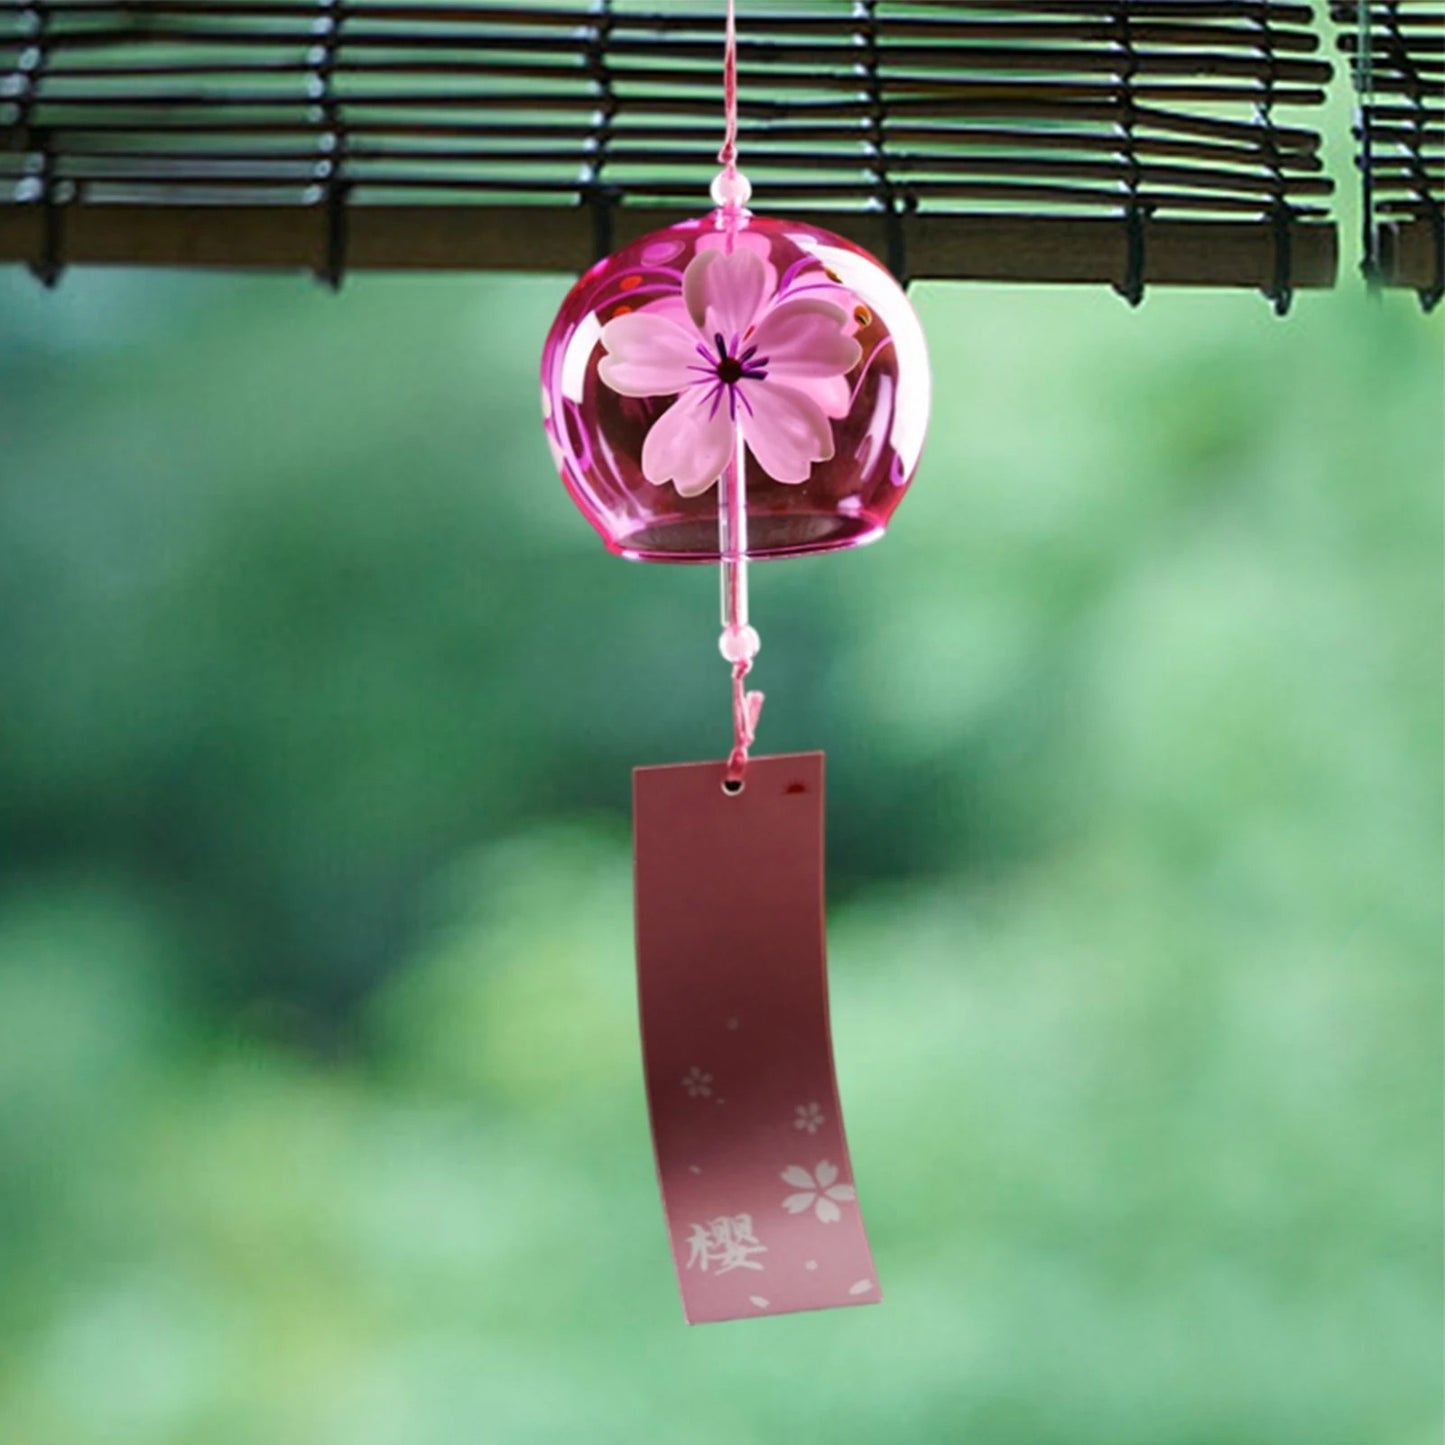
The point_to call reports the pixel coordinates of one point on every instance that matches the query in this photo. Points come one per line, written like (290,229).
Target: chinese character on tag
(728,1242)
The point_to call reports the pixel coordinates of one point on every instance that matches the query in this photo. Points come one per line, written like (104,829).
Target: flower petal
(798,1177)
(827,1211)
(725,292)
(826,1173)
(797,1203)
(805,337)
(843,1192)
(694,287)
(647,355)
(786,430)
(740,241)
(689,444)
(833,394)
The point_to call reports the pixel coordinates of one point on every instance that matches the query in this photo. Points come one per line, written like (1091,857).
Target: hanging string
(730,187)
(739,642)
(728,155)
(1365,89)
(746,707)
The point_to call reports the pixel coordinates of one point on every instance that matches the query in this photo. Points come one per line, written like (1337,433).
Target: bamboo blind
(1150,142)
(1397,59)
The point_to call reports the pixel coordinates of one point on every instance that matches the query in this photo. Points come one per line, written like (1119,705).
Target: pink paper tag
(733,989)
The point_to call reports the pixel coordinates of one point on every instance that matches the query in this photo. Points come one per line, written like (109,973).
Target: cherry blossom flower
(809,1117)
(739,355)
(697,1083)
(817,1191)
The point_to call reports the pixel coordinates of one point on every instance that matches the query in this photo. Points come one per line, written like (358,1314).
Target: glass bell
(768,341)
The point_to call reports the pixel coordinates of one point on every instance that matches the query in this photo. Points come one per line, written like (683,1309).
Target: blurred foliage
(320,1108)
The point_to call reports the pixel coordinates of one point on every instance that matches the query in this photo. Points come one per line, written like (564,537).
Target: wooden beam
(1409,254)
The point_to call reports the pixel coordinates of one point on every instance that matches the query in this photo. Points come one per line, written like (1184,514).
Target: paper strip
(753,1164)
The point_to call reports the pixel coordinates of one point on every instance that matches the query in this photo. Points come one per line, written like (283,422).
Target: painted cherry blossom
(739,356)
(697,1083)
(817,1191)
(809,1117)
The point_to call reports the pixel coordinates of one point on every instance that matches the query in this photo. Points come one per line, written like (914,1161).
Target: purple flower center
(725,369)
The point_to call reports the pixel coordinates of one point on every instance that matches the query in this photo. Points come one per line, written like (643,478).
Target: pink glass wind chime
(726,389)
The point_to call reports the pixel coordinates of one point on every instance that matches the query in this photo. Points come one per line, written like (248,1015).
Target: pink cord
(730,188)
(746,705)
(739,641)
(728,155)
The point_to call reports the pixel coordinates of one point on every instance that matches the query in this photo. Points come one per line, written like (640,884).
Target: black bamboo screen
(1397,59)
(1161,141)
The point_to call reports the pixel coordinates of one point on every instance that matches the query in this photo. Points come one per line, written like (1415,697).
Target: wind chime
(727,389)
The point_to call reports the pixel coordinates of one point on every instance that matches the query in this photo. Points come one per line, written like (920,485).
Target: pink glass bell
(768,341)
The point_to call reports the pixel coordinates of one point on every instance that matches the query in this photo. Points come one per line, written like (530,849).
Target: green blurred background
(321,1119)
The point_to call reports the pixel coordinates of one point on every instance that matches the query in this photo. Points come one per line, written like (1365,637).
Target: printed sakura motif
(777,360)
(697,1083)
(818,1191)
(809,1117)
(728,1242)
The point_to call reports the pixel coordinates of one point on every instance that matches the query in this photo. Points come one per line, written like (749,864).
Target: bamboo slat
(1076,141)
(1397,62)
